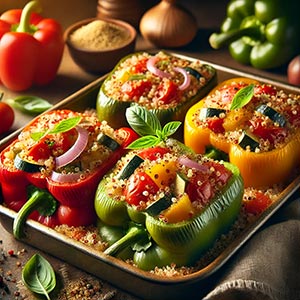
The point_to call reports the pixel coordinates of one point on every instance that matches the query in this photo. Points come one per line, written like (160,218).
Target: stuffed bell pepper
(256,124)
(165,84)
(263,33)
(51,171)
(164,205)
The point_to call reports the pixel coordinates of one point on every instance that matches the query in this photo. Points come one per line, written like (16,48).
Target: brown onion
(168,25)
(293,71)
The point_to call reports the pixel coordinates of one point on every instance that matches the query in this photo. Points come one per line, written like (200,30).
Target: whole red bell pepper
(35,193)
(31,48)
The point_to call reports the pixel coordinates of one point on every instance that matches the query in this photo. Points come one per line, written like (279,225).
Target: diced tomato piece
(259,203)
(221,174)
(199,189)
(271,133)
(135,88)
(153,153)
(167,92)
(215,124)
(140,66)
(265,89)
(139,187)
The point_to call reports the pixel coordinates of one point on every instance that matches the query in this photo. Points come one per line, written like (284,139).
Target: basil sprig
(147,125)
(63,126)
(30,104)
(39,276)
(242,97)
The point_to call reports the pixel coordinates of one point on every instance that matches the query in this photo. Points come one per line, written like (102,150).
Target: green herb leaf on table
(39,276)
(147,125)
(242,97)
(30,104)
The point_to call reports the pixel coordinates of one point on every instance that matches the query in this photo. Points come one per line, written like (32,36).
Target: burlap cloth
(268,266)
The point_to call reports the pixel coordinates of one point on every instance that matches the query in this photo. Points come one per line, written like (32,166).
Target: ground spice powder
(99,35)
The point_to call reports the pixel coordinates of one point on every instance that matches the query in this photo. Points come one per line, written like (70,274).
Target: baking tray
(142,284)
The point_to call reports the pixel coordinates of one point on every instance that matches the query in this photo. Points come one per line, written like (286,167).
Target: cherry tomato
(139,187)
(259,203)
(76,216)
(7,117)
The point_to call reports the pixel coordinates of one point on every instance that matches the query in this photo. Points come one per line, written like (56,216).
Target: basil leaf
(144,142)
(36,136)
(61,127)
(39,276)
(242,97)
(142,121)
(65,125)
(30,104)
(170,128)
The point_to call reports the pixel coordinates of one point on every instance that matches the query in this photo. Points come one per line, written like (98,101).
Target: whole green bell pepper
(263,33)
(151,240)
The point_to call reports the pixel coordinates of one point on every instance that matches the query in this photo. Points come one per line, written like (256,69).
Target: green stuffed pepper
(165,84)
(263,33)
(164,204)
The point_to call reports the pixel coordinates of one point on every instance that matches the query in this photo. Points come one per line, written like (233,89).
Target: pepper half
(61,155)
(262,33)
(255,135)
(163,232)
(31,48)
(164,84)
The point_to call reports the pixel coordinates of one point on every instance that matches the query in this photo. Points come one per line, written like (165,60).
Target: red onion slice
(187,78)
(154,70)
(63,178)
(75,150)
(183,160)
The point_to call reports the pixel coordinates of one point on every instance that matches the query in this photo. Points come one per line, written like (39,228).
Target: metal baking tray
(142,284)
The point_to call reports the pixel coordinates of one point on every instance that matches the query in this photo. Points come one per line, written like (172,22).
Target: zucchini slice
(26,166)
(161,204)
(180,184)
(130,167)
(248,140)
(271,113)
(208,112)
(107,141)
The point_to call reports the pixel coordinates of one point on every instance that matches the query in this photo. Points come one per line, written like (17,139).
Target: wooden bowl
(102,59)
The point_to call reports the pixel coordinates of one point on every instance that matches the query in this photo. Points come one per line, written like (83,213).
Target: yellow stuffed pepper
(256,124)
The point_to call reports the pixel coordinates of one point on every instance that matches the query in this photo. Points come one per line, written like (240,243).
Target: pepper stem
(218,40)
(134,234)
(32,6)
(38,199)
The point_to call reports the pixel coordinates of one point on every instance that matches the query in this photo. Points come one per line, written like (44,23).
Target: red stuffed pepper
(31,48)
(55,165)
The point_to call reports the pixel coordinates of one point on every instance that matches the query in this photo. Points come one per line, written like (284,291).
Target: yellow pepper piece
(180,211)
(163,173)
(257,169)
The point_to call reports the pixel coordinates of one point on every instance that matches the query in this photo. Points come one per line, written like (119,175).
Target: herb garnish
(39,276)
(147,125)
(63,126)
(242,97)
